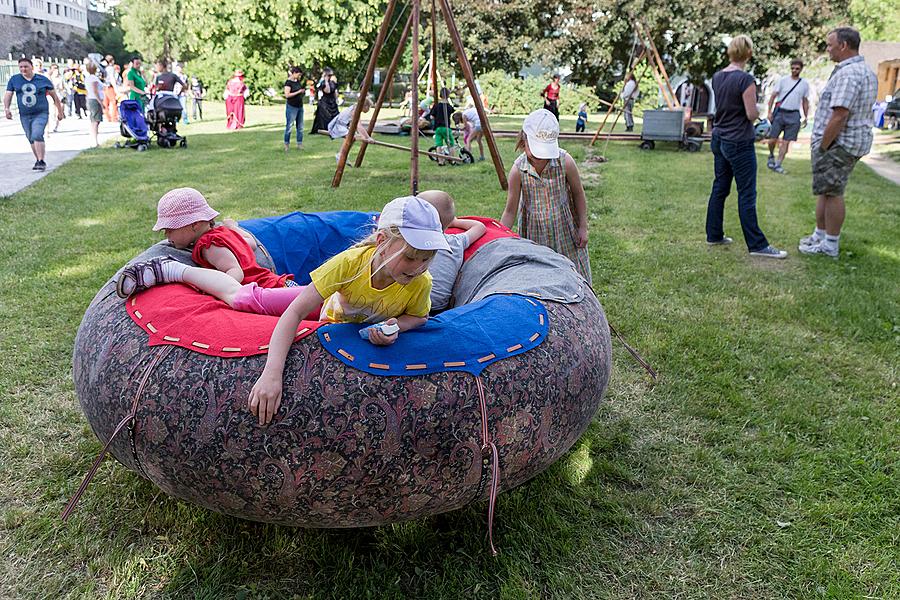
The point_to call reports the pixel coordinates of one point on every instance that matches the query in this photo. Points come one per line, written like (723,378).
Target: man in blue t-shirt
(31,91)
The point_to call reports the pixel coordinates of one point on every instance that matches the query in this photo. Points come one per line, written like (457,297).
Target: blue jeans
(737,161)
(184,113)
(294,117)
(34,126)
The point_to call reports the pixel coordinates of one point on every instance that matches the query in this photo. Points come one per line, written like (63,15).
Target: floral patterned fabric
(346,449)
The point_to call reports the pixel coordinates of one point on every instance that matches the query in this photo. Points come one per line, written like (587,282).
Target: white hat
(542,131)
(418,222)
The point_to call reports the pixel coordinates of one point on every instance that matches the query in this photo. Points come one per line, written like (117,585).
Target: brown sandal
(135,273)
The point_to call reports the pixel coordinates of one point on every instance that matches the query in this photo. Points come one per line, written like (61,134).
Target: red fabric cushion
(495,231)
(179,315)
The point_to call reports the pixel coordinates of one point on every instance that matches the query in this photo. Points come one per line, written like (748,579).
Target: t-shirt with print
(31,95)
(345,281)
(795,98)
(295,86)
(78,83)
(444,269)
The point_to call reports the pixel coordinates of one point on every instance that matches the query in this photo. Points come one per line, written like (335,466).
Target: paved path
(16,159)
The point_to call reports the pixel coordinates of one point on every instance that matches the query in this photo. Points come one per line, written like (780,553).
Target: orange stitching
(542,319)
(302,331)
(345,354)
(534,337)
(231,349)
(379,366)
(264,347)
(514,348)
(455,364)
(138,314)
(200,345)
(487,358)
(327,337)
(413,367)
(169,338)
(151,327)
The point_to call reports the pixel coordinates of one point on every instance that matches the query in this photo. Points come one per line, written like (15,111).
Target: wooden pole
(422,152)
(434,53)
(363,92)
(414,159)
(385,88)
(618,97)
(470,81)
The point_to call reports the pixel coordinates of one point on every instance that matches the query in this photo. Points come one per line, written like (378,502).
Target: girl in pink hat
(189,222)
(382,279)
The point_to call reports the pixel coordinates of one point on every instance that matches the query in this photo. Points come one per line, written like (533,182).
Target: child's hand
(265,397)
(379,339)
(230,223)
(581,236)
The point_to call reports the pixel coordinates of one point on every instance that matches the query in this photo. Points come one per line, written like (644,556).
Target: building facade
(23,20)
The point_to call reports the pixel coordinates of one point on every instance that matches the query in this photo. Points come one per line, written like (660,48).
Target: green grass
(764,462)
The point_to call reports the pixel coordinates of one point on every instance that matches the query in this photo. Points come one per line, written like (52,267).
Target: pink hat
(180,207)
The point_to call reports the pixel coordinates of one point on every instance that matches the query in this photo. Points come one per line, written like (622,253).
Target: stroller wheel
(141,147)
(184,143)
(117,145)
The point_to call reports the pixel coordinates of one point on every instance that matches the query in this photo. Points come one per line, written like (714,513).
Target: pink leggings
(265,301)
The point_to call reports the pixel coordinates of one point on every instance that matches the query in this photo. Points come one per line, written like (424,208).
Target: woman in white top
(94,94)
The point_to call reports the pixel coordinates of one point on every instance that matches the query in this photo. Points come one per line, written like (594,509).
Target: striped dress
(546,214)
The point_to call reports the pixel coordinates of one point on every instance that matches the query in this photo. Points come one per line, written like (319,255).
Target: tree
(157,28)
(109,37)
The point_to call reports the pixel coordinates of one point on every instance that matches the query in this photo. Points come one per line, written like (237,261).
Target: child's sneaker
(779,169)
(770,251)
(820,248)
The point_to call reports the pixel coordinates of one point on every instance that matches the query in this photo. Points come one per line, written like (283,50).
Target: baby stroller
(133,126)
(163,114)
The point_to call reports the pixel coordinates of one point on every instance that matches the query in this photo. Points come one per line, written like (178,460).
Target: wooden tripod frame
(655,63)
(412,26)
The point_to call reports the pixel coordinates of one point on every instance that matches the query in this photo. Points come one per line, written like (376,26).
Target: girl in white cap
(545,195)
(383,278)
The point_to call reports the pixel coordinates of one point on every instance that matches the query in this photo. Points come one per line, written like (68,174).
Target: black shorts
(787,121)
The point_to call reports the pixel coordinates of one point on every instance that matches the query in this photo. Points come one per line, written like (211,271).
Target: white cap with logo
(542,132)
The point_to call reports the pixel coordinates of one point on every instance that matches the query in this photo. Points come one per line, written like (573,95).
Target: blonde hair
(740,48)
(390,235)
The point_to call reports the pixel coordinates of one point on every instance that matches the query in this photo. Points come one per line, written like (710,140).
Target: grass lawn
(763,463)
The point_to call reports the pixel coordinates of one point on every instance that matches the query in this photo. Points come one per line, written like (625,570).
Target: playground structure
(412,28)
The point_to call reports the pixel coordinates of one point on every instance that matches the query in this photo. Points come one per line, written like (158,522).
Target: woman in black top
(294,91)
(734,153)
(327,108)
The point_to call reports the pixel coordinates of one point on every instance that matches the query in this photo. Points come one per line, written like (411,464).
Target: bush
(515,95)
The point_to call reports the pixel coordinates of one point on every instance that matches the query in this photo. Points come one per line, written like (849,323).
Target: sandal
(136,272)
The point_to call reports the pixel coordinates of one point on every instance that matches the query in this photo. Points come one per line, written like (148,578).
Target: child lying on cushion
(188,220)
(447,263)
(384,277)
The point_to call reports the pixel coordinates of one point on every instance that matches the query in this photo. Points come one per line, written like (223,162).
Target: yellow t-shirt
(345,281)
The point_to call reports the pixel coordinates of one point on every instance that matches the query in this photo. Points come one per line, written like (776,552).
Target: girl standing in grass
(545,192)
(382,278)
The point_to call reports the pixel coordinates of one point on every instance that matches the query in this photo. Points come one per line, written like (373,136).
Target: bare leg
(772,143)
(38,149)
(94,130)
(783,150)
(820,212)
(835,211)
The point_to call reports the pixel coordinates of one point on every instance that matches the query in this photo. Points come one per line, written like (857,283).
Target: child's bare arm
(248,237)
(265,397)
(512,197)
(224,260)
(405,322)
(474,229)
(579,201)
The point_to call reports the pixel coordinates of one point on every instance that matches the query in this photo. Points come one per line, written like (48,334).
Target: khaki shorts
(95,111)
(831,169)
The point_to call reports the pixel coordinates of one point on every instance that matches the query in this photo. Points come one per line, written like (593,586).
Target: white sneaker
(820,248)
(810,240)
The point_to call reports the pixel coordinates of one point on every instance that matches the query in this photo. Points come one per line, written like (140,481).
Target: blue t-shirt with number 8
(31,96)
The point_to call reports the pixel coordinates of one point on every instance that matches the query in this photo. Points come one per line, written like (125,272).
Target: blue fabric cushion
(467,338)
(300,242)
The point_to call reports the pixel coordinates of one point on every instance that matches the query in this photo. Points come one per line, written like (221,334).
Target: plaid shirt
(853,86)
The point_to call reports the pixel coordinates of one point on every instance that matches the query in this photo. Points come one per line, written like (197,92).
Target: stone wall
(22,35)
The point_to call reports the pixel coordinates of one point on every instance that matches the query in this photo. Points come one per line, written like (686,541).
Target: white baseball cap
(542,132)
(418,222)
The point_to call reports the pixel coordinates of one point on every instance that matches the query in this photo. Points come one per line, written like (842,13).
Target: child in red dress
(188,220)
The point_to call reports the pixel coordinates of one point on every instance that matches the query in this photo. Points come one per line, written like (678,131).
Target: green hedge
(514,95)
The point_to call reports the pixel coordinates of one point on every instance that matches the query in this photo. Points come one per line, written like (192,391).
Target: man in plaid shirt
(841,135)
